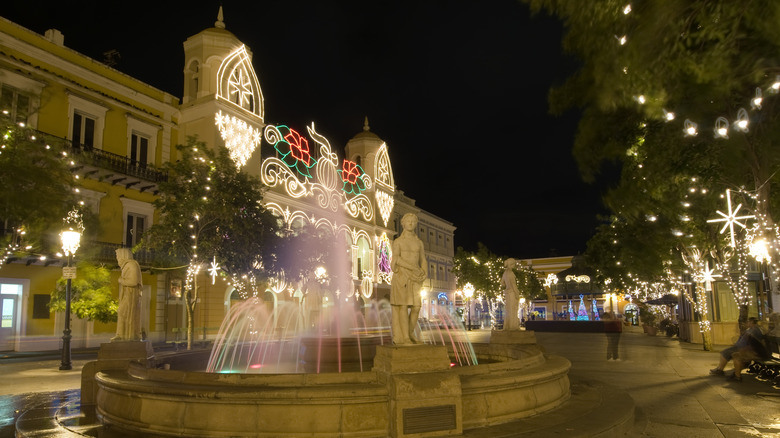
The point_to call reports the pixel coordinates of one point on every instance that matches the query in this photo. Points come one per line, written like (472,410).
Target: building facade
(120,131)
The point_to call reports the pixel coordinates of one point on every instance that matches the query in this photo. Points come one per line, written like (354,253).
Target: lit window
(14,104)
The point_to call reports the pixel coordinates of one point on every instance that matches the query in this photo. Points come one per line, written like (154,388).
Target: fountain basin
(517,381)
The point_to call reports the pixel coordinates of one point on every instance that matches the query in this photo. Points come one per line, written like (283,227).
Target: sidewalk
(668,381)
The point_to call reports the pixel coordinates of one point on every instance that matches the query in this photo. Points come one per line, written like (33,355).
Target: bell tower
(222,95)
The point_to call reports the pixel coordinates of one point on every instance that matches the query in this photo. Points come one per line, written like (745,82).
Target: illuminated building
(121,131)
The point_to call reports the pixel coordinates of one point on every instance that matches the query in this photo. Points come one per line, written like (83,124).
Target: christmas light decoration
(742,120)
(240,138)
(731,218)
(295,154)
(352,177)
(366,286)
(578,278)
(756,101)
(385,184)
(384,273)
(214,270)
(292,148)
(237,84)
(385,202)
(721,128)
(690,128)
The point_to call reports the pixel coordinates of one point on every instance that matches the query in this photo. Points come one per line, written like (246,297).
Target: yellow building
(120,131)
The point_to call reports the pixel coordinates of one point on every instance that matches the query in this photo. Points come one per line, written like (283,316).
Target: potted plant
(649,320)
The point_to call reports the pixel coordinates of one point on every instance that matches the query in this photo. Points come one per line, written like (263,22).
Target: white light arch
(237,83)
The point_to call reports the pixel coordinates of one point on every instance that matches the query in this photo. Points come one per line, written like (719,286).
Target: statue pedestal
(425,395)
(112,356)
(512,337)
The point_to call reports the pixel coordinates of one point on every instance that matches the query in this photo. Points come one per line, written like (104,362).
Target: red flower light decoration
(352,176)
(299,147)
(294,151)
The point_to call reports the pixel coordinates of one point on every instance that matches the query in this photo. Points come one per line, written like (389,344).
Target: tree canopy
(681,98)
(210,209)
(91,294)
(483,269)
(32,169)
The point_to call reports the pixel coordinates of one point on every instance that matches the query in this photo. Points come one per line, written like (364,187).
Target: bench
(769,369)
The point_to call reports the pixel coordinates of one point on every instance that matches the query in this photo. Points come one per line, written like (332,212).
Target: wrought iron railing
(105,252)
(87,155)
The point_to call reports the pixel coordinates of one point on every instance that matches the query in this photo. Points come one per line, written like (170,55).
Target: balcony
(106,166)
(98,253)
(105,253)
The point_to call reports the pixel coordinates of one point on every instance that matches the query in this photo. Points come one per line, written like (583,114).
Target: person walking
(613,327)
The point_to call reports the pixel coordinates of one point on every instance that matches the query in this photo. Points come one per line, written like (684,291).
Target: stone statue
(511,296)
(410,269)
(128,326)
(312,302)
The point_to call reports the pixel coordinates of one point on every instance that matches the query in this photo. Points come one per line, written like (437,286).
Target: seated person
(750,346)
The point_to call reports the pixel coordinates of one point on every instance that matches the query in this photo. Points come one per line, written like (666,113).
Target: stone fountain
(431,389)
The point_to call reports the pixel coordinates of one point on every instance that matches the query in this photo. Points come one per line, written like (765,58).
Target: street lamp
(71,237)
(468,290)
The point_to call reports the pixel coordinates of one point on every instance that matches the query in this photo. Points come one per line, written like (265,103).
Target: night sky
(457,89)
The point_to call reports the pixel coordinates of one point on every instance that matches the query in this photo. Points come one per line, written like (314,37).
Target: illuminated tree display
(684,98)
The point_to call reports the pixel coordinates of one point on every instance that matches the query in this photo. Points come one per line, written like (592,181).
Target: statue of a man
(410,269)
(511,296)
(128,326)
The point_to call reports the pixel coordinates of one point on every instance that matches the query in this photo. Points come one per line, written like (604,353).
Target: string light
(690,128)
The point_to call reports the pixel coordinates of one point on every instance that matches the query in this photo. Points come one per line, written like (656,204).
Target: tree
(484,269)
(210,210)
(679,97)
(91,294)
(31,168)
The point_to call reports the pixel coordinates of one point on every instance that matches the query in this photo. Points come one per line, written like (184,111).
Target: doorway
(9,315)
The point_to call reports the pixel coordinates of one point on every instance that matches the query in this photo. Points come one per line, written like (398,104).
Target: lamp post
(71,238)
(468,290)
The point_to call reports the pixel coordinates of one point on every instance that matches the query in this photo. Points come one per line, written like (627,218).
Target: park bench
(768,370)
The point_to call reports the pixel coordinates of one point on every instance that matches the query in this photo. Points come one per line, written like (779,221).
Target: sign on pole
(69,272)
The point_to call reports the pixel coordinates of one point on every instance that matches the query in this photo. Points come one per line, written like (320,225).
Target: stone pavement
(667,380)
(671,387)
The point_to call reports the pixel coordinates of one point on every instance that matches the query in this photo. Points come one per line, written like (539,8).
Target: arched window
(192,78)
(364,257)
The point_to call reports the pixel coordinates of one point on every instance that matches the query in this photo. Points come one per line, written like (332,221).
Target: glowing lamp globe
(70,241)
(468,289)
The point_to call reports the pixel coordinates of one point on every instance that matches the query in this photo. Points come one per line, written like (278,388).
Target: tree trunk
(704,323)
(190,329)
(706,335)
(743,316)
(191,313)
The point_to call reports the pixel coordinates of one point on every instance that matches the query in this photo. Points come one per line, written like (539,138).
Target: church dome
(366,135)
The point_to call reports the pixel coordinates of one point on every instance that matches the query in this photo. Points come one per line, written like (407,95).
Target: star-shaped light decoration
(240,86)
(214,270)
(731,218)
(550,280)
(706,276)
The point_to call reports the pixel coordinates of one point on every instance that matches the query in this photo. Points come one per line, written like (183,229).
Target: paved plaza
(667,380)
